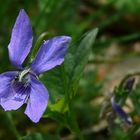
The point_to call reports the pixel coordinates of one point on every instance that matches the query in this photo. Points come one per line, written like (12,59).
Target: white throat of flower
(23,73)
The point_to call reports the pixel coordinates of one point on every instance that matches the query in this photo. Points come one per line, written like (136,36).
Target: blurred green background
(115,53)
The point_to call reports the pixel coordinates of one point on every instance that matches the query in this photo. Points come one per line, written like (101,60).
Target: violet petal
(15,102)
(5,83)
(9,100)
(21,39)
(50,54)
(38,100)
(121,112)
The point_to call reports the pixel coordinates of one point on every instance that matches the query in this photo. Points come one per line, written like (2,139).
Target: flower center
(21,83)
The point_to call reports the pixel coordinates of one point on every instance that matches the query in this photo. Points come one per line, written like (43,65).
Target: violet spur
(19,87)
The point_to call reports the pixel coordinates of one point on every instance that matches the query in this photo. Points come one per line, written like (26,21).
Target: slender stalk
(65,84)
(13,128)
(127,77)
(39,41)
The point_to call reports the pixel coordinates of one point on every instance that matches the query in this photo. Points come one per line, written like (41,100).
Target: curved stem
(38,43)
(127,77)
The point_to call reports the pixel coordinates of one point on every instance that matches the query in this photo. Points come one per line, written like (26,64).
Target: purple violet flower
(129,84)
(19,87)
(120,111)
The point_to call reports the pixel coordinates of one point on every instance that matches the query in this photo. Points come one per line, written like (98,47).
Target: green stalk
(13,128)
(38,43)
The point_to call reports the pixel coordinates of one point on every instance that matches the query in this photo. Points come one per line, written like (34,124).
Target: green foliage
(38,136)
(135,96)
(131,6)
(62,81)
(77,88)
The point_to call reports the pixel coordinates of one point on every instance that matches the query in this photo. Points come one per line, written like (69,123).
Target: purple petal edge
(14,103)
(5,83)
(38,100)
(21,40)
(120,111)
(50,54)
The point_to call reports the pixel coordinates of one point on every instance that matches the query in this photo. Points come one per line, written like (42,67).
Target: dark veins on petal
(23,86)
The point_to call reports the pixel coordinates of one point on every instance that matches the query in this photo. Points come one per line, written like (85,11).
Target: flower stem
(13,128)
(127,77)
(121,86)
(39,41)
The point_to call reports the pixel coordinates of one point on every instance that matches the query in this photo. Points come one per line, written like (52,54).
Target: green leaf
(55,84)
(62,82)
(57,116)
(39,136)
(76,60)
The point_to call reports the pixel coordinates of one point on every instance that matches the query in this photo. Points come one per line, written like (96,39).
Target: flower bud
(128,86)
(117,108)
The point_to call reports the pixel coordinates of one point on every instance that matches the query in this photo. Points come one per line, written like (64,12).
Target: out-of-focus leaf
(128,5)
(39,136)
